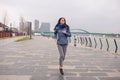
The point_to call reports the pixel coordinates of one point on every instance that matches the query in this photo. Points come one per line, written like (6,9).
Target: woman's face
(62,21)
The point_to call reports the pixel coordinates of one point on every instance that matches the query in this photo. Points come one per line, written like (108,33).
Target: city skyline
(43,27)
(91,15)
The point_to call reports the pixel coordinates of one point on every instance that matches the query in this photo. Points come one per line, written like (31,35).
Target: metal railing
(109,44)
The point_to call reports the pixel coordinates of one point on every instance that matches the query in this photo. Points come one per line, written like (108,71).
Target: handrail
(107,44)
(86,41)
(95,43)
(100,42)
(115,46)
(90,44)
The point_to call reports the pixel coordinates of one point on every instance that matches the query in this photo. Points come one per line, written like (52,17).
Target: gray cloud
(92,15)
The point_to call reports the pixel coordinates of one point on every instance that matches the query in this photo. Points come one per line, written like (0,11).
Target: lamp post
(30,29)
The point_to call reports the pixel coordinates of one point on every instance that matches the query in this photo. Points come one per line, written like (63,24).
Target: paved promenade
(37,59)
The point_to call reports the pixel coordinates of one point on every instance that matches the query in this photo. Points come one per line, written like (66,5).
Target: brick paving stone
(93,74)
(15,77)
(81,78)
(38,59)
(110,78)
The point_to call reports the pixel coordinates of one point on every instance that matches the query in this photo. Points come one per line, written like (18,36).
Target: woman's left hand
(63,31)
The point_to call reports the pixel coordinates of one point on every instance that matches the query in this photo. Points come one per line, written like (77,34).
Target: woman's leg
(64,50)
(61,59)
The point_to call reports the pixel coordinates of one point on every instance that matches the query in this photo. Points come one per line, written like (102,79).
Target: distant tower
(28,25)
(21,27)
(36,25)
(45,27)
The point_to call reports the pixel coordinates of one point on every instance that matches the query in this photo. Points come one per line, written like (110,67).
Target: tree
(5,18)
(22,24)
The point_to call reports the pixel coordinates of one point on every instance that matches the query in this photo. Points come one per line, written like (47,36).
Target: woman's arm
(55,33)
(67,32)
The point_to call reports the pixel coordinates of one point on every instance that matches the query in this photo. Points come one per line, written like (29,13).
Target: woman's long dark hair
(59,23)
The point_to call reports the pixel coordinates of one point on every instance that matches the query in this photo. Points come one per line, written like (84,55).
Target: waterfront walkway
(37,59)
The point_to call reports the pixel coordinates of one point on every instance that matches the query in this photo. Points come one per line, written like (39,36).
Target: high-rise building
(45,27)
(28,27)
(36,26)
(24,27)
(21,27)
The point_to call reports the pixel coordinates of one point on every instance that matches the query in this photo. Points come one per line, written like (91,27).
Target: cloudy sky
(91,15)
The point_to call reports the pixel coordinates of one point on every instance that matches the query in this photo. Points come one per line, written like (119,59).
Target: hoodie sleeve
(55,33)
(68,33)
